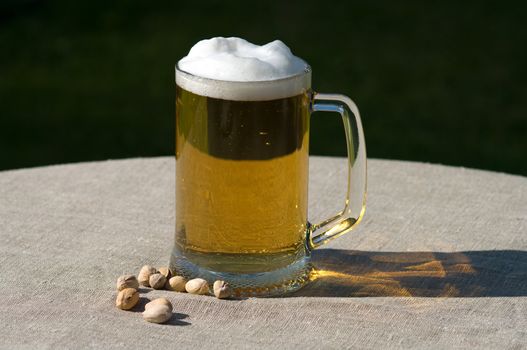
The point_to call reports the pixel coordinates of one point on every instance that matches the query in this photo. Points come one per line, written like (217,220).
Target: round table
(440,260)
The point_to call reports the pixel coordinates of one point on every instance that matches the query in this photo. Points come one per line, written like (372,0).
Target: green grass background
(436,81)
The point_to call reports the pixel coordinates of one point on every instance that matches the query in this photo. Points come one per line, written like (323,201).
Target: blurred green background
(436,81)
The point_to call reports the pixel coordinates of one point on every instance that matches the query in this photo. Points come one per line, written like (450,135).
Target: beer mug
(242,152)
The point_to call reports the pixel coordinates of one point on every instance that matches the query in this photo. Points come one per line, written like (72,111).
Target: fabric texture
(439,261)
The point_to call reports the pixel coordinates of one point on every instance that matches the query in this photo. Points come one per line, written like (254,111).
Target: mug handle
(355,205)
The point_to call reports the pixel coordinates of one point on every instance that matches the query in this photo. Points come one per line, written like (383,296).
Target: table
(439,261)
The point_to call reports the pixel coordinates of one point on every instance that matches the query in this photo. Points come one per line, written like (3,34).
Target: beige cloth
(439,261)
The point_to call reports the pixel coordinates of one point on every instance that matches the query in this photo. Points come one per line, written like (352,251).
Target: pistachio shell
(176,283)
(157,313)
(127,281)
(222,289)
(127,298)
(165,271)
(157,281)
(144,275)
(197,286)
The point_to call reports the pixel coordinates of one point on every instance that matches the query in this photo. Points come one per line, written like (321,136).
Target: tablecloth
(439,261)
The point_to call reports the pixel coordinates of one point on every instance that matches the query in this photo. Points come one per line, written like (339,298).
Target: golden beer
(241,181)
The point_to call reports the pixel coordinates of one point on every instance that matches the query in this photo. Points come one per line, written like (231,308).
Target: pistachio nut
(127,298)
(159,301)
(127,281)
(157,281)
(144,275)
(176,283)
(222,289)
(158,313)
(165,271)
(197,286)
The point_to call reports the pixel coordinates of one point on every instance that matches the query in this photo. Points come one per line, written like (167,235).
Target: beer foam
(235,69)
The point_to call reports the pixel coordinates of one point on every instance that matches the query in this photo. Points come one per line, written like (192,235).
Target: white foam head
(235,69)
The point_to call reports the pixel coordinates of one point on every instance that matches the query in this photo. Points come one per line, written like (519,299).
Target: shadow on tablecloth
(488,273)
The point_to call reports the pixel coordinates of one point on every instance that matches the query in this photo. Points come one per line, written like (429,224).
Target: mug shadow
(348,273)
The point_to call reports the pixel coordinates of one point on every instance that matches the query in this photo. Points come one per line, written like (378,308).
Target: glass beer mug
(242,181)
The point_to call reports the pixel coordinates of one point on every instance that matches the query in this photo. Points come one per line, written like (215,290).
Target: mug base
(259,284)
